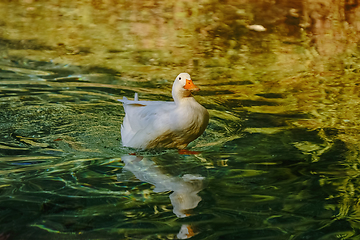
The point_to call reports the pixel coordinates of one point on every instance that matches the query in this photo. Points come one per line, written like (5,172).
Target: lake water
(279,159)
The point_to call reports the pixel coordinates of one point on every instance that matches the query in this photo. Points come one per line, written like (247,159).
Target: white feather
(157,124)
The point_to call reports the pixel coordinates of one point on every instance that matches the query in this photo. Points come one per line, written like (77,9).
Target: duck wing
(144,121)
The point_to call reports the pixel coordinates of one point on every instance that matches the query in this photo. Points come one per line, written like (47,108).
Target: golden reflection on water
(142,37)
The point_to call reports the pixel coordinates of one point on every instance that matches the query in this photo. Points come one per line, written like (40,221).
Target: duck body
(157,124)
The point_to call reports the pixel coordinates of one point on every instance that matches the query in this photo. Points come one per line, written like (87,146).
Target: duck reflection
(184,196)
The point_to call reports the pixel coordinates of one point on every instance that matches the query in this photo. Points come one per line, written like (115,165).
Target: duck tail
(123,100)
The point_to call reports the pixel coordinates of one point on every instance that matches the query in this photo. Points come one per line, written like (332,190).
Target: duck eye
(179,78)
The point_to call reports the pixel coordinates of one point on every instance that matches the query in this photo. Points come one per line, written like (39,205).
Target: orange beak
(191,86)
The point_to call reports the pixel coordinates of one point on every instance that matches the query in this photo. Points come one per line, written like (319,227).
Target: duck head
(183,86)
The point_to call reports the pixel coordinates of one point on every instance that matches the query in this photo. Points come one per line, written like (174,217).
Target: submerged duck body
(157,124)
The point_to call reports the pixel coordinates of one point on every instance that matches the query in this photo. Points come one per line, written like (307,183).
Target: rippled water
(279,159)
(64,173)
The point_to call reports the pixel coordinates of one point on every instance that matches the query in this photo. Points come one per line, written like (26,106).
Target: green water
(278,160)
(65,175)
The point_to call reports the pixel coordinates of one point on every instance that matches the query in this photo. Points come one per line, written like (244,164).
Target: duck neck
(181,96)
(184,101)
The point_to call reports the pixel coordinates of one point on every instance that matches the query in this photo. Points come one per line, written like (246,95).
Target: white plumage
(157,124)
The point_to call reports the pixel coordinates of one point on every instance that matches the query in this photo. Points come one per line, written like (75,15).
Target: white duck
(157,124)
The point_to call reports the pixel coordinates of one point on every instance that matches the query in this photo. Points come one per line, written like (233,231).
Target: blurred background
(142,37)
